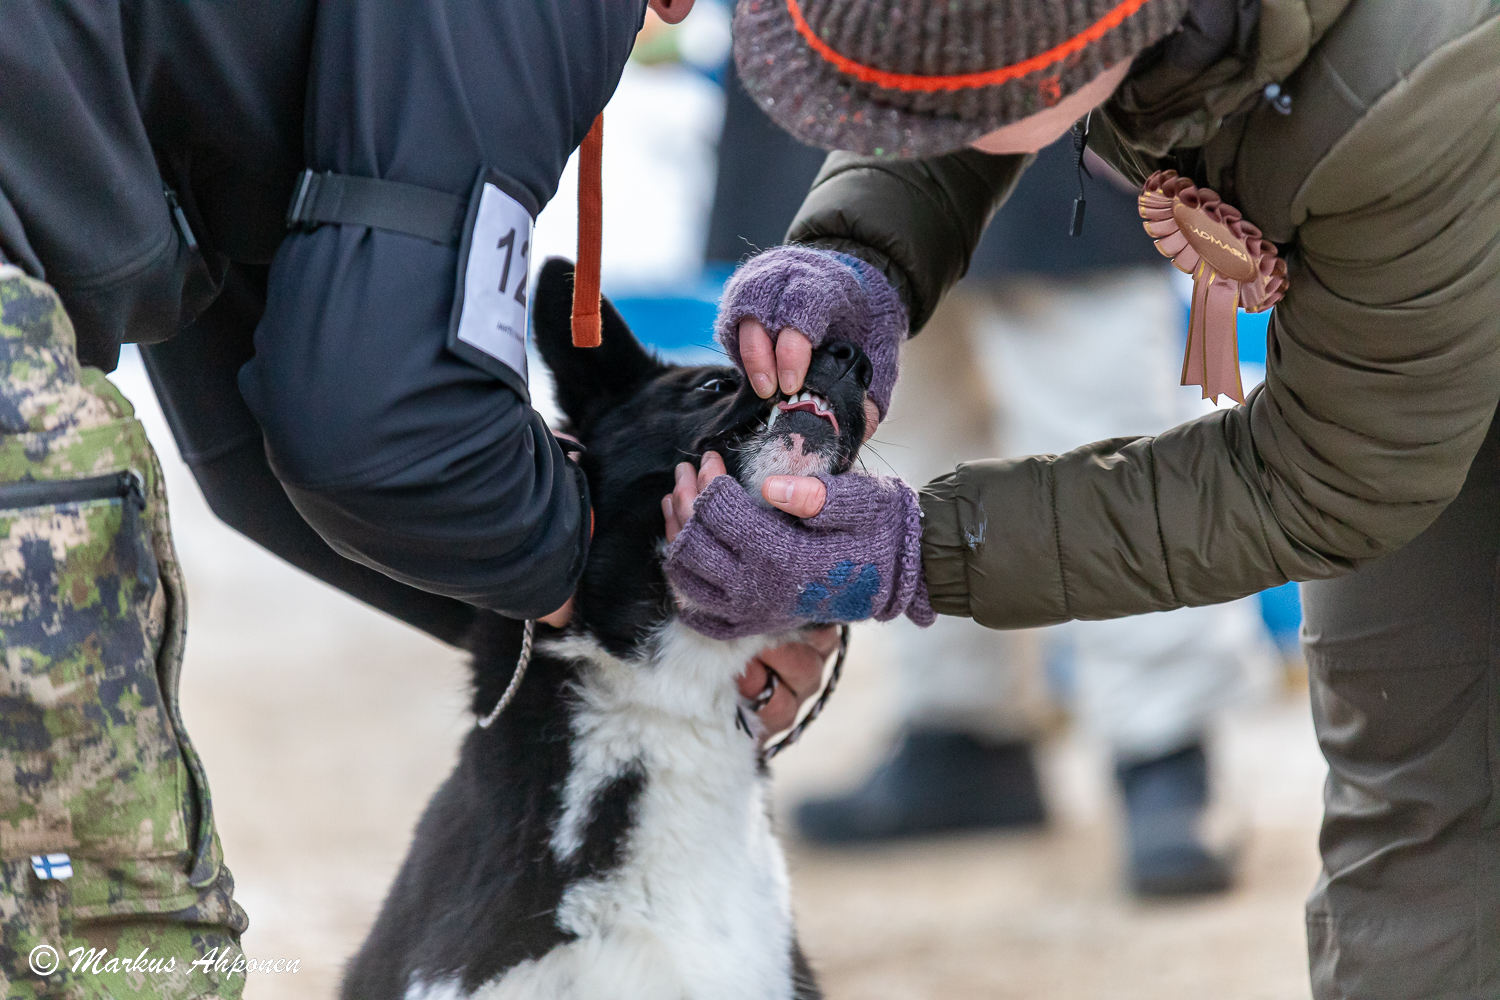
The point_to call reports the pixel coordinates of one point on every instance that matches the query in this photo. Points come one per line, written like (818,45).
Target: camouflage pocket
(94,761)
(101,776)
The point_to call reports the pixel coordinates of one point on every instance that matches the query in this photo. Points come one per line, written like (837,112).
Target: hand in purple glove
(740,569)
(784,302)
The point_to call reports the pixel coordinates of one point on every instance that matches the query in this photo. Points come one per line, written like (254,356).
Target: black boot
(1164,799)
(934,782)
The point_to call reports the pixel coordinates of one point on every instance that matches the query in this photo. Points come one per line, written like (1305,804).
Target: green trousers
(1404,659)
(112,882)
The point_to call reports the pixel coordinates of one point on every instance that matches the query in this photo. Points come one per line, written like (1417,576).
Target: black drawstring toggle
(1080,145)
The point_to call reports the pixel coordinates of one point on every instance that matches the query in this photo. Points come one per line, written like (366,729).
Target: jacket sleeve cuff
(944,562)
(990,544)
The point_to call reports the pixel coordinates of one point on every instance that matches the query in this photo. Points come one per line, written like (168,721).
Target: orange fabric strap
(586,327)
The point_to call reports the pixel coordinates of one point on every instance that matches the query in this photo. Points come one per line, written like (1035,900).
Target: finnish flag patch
(52,866)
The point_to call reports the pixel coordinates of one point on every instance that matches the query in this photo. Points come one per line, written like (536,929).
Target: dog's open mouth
(809,402)
(814,432)
(801,436)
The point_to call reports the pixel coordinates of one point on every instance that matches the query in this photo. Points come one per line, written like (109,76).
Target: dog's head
(638,417)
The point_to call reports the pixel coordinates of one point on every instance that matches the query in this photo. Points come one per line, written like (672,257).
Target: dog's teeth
(772,418)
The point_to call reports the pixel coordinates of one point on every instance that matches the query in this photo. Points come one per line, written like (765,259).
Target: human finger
(560,617)
(753,681)
(711,468)
(758,357)
(779,713)
(799,668)
(823,638)
(799,665)
(800,496)
(685,492)
(670,516)
(872,418)
(793,355)
(774,703)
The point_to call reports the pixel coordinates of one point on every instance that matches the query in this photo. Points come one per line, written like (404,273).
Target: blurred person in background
(1361,138)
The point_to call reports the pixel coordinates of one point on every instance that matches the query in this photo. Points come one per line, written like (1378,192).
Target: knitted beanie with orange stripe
(917,78)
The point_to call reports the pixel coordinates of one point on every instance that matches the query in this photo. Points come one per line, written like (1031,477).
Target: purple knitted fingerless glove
(740,568)
(826,295)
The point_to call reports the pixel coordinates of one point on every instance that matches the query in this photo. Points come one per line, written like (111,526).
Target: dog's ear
(589,379)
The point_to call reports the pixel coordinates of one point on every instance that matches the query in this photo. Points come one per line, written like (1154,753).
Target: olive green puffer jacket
(1382,186)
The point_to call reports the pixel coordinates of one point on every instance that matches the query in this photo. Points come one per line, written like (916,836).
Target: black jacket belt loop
(367,201)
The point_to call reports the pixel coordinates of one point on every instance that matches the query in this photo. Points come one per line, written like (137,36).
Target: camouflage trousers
(112,883)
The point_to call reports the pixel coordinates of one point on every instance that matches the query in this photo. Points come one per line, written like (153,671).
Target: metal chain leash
(522,662)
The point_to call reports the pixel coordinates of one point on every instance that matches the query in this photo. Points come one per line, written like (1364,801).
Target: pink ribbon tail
(1194,372)
(1222,351)
(1212,357)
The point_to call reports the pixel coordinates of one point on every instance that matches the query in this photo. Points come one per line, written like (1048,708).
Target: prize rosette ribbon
(1232,267)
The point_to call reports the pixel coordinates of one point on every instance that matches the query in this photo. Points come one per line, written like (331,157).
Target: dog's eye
(717,384)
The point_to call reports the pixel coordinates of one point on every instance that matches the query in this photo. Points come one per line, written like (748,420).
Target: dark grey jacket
(401,455)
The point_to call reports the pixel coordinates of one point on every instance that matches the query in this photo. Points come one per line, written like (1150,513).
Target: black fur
(477,893)
(479,890)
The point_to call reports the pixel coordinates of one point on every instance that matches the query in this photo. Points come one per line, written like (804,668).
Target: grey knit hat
(916,78)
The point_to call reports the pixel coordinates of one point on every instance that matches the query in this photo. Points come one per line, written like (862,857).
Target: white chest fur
(698,907)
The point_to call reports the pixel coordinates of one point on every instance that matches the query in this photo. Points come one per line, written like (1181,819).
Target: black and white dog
(609,836)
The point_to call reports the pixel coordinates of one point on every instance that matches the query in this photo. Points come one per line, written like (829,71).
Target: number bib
(490,307)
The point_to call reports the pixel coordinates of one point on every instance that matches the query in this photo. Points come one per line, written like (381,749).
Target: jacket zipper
(41,493)
(137,559)
(180,218)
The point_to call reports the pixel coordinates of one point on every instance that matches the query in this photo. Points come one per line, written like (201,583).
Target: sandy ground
(325,726)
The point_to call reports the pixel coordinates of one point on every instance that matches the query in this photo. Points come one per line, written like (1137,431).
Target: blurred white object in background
(661,131)
(661,136)
(704,40)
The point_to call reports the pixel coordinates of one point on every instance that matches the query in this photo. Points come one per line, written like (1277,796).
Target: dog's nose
(850,358)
